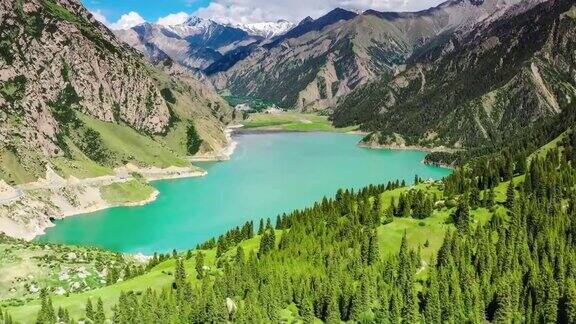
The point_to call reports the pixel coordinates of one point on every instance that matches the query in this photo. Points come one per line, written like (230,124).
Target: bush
(194,141)
(168,95)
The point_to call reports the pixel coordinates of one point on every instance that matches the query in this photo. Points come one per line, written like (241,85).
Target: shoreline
(407,148)
(57,207)
(414,148)
(225,153)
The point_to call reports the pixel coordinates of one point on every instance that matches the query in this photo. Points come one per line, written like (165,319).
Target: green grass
(79,165)
(126,192)
(291,121)
(427,235)
(12,171)
(176,138)
(255,104)
(25,264)
(158,278)
(132,146)
(541,152)
(80,169)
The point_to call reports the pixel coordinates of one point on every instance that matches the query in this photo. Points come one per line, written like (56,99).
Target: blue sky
(122,14)
(150,10)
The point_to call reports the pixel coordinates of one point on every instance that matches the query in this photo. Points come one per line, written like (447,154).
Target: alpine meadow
(287,161)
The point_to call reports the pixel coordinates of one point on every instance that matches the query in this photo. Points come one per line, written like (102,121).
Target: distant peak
(339,14)
(194,21)
(338,9)
(306,21)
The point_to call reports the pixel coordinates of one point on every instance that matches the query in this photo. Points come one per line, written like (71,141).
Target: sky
(123,14)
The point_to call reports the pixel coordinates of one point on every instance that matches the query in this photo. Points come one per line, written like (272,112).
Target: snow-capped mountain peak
(267,29)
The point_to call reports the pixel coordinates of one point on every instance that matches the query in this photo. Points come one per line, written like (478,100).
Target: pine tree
(432,311)
(491,199)
(503,313)
(89,310)
(332,310)
(46,314)
(510,196)
(180,275)
(462,216)
(395,307)
(307,310)
(373,251)
(474,197)
(63,316)
(99,316)
(199,264)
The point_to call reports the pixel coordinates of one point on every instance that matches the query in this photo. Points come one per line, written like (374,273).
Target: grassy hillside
(426,234)
(290,121)
(27,267)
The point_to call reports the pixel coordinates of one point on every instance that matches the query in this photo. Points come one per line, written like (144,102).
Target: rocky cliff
(58,64)
(321,60)
(477,85)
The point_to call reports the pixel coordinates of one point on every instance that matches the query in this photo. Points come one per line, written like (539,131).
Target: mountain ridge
(527,82)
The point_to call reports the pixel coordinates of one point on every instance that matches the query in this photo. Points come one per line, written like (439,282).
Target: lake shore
(27,210)
(406,147)
(286,171)
(42,202)
(414,148)
(223,154)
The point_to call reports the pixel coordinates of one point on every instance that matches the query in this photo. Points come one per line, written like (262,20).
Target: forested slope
(489,243)
(475,86)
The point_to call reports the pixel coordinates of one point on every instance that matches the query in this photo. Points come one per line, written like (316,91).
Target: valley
(233,162)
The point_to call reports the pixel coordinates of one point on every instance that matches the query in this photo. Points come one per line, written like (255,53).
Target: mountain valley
(353,166)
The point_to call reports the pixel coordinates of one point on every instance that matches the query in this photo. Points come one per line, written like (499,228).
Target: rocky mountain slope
(63,74)
(197,43)
(477,85)
(318,61)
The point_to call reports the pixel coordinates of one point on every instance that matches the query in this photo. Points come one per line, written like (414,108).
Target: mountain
(448,251)
(71,93)
(267,30)
(308,25)
(197,43)
(319,61)
(475,86)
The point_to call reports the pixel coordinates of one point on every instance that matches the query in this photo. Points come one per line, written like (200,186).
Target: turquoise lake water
(268,174)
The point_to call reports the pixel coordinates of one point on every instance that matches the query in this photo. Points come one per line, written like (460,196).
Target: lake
(268,174)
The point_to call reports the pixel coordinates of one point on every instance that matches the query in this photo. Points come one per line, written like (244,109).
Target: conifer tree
(99,316)
(432,311)
(570,303)
(307,310)
(199,264)
(510,196)
(332,310)
(373,251)
(89,310)
(180,275)
(46,314)
(462,216)
(474,197)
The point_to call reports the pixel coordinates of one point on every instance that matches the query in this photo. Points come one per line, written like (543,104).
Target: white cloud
(99,15)
(250,11)
(173,19)
(127,21)
(254,11)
